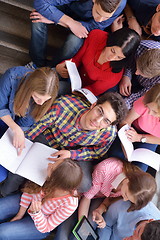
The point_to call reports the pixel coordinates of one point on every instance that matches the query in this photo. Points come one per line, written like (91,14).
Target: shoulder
(112,163)
(72,101)
(138,105)
(98,35)
(150,44)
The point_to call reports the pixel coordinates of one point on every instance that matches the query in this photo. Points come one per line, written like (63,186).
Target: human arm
(131,20)
(18,134)
(125,86)
(59,211)
(62,70)
(83,207)
(20,214)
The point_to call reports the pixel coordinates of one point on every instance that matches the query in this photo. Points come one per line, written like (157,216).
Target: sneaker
(31,65)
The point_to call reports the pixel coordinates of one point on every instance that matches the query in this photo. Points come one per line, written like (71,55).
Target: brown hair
(153,95)
(108,6)
(151,231)
(42,81)
(67,176)
(149,63)
(117,103)
(141,184)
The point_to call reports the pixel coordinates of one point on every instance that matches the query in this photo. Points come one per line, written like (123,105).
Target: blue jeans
(17,230)
(64,230)
(116,151)
(38,46)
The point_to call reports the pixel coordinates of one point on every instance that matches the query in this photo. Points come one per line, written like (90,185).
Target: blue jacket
(9,83)
(80,10)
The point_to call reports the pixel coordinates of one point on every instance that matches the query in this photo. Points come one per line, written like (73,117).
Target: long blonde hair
(42,81)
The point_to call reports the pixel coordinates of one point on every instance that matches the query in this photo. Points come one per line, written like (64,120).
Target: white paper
(31,164)
(75,78)
(88,94)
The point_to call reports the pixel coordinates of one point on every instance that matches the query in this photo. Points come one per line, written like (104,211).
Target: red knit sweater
(95,77)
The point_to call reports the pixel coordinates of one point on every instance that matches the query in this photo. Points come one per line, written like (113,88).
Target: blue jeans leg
(38,45)
(3,128)
(17,230)
(69,49)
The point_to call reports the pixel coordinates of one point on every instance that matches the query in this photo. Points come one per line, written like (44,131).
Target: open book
(143,155)
(31,164)
(76,83)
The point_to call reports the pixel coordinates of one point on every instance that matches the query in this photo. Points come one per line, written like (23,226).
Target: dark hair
(151,231)
(117,103)
(108,6)
(128,40)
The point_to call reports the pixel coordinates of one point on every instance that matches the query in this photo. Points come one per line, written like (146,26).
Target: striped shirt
(62,131)
(103,177)
(53,212)
(145,83)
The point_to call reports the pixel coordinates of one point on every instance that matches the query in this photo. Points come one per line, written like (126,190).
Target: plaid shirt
(145,83)
(62,131)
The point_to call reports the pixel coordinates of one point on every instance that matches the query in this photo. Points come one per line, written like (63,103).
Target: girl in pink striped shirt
(48,206)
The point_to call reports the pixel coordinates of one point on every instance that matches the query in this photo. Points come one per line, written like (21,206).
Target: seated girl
(111,178)
(25,97)
(101,59)
(144,119)
(41,209)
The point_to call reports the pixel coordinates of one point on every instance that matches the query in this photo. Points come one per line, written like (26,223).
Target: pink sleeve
(139,106)
(26,199)
(47,223)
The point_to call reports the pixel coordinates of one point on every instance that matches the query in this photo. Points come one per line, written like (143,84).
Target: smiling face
(155,22)
(126,194)
(113,53)
(98,117)
(40,99)
(98,14)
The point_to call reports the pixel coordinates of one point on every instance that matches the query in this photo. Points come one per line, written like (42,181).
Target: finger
(54,159)
(55,154)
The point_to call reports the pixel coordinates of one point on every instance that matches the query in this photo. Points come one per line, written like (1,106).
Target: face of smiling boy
(98,117)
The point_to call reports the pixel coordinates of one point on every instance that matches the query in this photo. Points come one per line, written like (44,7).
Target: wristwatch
(143,139)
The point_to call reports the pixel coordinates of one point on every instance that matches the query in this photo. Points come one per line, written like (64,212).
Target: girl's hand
(62,70)
(16,218)
(35,206)
(132,135)
(18,139)
(97,218)
(118,23)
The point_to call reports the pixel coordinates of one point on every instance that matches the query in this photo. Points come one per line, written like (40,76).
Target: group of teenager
(90,175)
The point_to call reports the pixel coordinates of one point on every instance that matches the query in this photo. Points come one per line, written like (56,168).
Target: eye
(99,111)
(112,50)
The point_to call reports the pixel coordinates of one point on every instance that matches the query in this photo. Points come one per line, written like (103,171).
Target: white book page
(128,146)
(146,156)
(75,78)
(8,153)
(88,94)
(34,166)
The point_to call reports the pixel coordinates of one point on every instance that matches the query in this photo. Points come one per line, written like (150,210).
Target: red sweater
(95,77)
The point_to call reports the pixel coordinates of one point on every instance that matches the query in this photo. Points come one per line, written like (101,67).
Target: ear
(158,8)
(93,105)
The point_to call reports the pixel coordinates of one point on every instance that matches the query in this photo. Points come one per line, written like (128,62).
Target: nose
(99,119)
(137,72)
(99,19)
(40,102)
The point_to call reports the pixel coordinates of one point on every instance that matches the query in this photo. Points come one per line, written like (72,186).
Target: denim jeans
(17,230)
(38,46)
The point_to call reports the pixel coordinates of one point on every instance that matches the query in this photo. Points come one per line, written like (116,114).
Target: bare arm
(19,215)
(83,207)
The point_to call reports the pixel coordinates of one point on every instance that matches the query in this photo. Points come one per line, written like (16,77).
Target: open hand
(62,154)
(37,17)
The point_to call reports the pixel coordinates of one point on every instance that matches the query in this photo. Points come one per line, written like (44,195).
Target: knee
(39,27)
